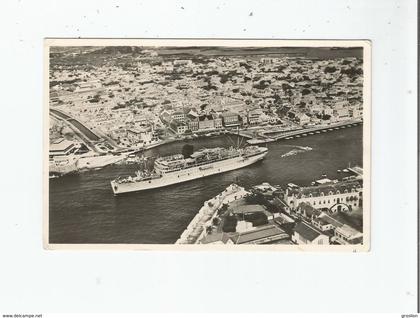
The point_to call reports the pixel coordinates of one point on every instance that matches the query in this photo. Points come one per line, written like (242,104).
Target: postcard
(206,144)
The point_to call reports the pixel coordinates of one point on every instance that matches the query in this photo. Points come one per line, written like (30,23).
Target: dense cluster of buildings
(328,212)
(147,96)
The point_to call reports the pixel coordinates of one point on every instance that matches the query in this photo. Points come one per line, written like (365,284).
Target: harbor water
(83,209)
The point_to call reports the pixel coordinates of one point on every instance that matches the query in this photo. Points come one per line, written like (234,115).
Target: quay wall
(340,125)
(196,229)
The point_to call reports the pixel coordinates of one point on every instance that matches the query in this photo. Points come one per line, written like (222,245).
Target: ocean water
(83,209)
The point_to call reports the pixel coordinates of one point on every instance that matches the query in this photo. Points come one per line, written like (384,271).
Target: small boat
(339,171)
(346,170)
(324,175)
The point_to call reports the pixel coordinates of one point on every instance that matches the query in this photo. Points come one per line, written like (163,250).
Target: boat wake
(297,150)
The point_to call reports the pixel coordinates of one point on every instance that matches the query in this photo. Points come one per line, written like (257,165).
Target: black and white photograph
(207,142)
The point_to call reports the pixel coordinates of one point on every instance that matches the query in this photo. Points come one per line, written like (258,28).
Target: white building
(346,235)
(333,196)
(306,234)
(244,226)
(61,147)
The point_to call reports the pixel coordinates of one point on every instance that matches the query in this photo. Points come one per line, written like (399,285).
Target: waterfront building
(62,147)
(303,119)
(192,122)
(340,196)
(230,119)
(327,111)
(356,111)
(304,233)
(218,123)
(254,116)
(205,122)
(244,119)
(341,114)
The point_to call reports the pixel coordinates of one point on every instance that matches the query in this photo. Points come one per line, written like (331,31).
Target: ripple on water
(84,210)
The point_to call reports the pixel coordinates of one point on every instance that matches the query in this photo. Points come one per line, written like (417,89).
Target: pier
(357,170)
(259,136)
(312,130)
(196,228)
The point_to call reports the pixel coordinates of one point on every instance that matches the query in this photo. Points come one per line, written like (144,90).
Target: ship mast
(239,141)
(237,137)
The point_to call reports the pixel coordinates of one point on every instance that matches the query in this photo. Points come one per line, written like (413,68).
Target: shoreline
(175,215)
(197,227)
(242,133)
(262,134)
(264,137)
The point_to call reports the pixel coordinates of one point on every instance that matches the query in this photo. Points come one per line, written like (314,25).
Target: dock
(357,170)
(258,141)
(196,229)
(314,130)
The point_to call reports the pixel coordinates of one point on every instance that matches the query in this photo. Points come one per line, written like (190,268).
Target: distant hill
(73,49)
(118,50)
(317,52)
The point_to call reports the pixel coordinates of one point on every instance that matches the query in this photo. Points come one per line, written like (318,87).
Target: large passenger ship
(177,168)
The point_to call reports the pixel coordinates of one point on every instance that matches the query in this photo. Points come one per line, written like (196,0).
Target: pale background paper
(36,280)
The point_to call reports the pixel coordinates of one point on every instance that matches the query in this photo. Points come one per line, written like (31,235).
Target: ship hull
(187,174)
